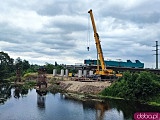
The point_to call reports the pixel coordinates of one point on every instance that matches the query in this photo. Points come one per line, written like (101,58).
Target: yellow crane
(103,72)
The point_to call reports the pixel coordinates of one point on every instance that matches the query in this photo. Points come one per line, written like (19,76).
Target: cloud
(51,30)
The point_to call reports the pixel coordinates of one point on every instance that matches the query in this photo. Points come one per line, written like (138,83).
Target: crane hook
(88,48)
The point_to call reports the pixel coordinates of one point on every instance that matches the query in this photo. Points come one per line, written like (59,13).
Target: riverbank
(79,90)
(82,89)
(87,90)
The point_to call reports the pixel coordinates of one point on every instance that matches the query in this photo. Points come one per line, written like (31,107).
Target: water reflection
(5,92)
(41,105)
(41,98)
(16,92)
(100,110)
(20,91)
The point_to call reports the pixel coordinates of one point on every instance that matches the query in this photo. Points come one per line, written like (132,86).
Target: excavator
(104,73)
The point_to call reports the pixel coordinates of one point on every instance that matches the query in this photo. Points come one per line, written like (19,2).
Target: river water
(33,106)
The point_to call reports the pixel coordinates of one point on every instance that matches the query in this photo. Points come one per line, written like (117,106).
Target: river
(49,106)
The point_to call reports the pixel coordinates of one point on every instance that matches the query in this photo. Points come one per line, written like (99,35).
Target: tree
(18,63)
(25,65)
(142,86)
(6,65)
(49,67)
(56,64)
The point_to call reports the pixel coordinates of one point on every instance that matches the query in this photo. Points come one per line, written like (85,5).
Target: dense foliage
(49,67)
(8,67)
(135,86)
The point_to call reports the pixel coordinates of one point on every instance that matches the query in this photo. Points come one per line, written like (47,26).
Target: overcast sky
(43,31)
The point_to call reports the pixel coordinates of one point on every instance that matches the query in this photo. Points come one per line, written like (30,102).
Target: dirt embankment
(84,87)
(70,85)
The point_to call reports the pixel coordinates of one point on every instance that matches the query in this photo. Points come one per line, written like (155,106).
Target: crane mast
(104,71)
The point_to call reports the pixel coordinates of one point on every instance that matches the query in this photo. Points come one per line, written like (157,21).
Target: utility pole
(156,54)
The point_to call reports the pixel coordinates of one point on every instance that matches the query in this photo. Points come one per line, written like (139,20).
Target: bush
(142,86)
(12,79)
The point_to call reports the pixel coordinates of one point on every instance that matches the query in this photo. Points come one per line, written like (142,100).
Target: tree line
(8,66)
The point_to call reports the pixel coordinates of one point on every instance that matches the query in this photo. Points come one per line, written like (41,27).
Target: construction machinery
(104,73)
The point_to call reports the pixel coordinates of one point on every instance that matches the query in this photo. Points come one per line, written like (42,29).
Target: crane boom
(104,71)
(98,44)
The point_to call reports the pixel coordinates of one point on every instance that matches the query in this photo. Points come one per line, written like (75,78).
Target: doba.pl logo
(147,116)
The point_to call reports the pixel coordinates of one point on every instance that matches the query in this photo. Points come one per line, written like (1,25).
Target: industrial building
(128,64)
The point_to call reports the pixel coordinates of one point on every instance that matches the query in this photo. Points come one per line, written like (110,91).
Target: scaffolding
(41,80)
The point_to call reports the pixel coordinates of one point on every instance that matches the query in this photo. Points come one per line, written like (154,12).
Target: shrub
(142,86)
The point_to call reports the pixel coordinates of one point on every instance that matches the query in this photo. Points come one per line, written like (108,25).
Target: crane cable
(88,34)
